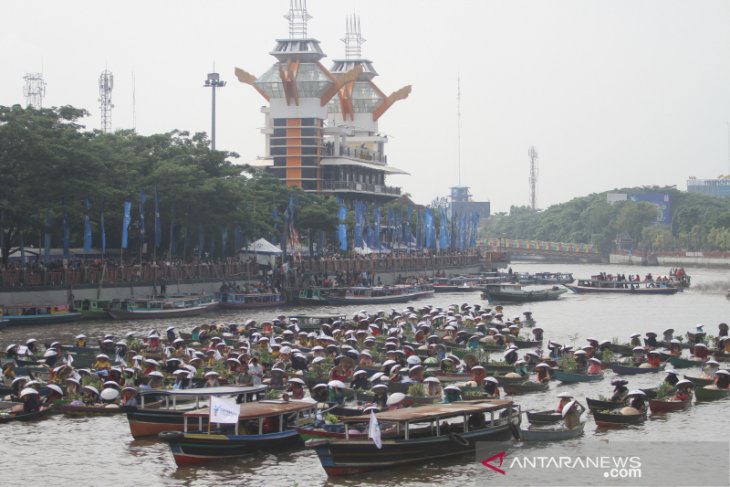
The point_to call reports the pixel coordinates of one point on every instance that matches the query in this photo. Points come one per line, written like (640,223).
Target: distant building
(660,200)
(461,203)
(713,187)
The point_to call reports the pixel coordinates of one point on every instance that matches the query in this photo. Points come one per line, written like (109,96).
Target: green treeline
(699,222)
(50,165)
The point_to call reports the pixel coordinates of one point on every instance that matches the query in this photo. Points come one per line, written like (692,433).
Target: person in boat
(521,369)
(55,393)
(671,378)
(620,391)
(89,395)
(31,348)
(654,359)
(635,340)
(723,344)
(256,371)
(668,335)
(589,350)
(212,379)
(296,388)
(636,399)
(532,358)
(336,392)
(722,330)
(8,371)
(478,374)
(380,395)
(452,393)
(156,380)
(700,351)
(555,350)
(684,390)
(170,332)
(651,340)
(571,414)
(710,368)
(31,400)
(581,362)
(638,356)
(150,365)
(675,348)
(80,341)
(397,400)
(129,397)
(491,387)
(182,379)
(415,374)
(722,379)
(511,355)
(565,398)
(543,372)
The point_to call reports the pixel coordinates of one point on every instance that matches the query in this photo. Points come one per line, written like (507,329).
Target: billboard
(660,200)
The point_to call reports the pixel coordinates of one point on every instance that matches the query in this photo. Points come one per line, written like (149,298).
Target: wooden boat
(711,393)
(699,381)
(684,363)
(513,293)
(551,434)
(454,285)
(598,286)
(667,405)
(544,417)
(38,315)
(168,416)
(621,349)
(92,309)
(314,296)
(159,308)
(553,277)
(599,405)
(314,322)
(95,410)
(571,377)
(527,343)
(264,425)
(615,419)
(418,444)
(368,295)
(237,300)
(526,387)
(629,370)
(7,416)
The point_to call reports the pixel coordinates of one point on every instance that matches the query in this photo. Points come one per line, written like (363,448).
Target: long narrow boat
(7,416)
(526,387)
(513,293)
(551,434)
(368,295)
(237,300)
(600,405)
(264,425)
(615,419)
(94,410)
(145,421)
(711,393)
(613,287)
(684,363)
(668,406)
(420,435)
(159,308)
(38,315)
(93,309)
(454,285)
(571,377)
(629,370)
(699,381)
(544,417)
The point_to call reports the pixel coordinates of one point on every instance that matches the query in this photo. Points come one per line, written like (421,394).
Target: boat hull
(626,370)
(571,377)
(526,387)
(144,423)
(551,434)
(118,314)
(48,319)
(70,410)
(598,405)
(612,420)
(659,406)
(400,298)
(544,417)
(711,393)
(524,296)
(613,290)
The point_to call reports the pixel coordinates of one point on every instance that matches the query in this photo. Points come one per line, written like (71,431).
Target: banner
(376,228)
(224,411)
(158,223)
(342,229)
(142,199)
(374,430)
(171,247)
(358,224)
(126,221)
(409,235)
(443,237)
(87,226)
(429,228)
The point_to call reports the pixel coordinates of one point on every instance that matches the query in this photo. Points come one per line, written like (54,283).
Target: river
(94,451)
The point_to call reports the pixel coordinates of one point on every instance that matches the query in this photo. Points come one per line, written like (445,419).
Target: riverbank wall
(674,259)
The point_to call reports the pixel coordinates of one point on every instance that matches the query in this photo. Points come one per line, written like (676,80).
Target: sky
(613,93)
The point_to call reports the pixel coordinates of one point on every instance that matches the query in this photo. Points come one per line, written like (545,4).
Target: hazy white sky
(611,93)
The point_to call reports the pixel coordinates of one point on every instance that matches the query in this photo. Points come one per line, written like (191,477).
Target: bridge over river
(520,249)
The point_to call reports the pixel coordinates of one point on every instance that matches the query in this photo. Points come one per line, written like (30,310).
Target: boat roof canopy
(251,410)
(433,412)
(204,391)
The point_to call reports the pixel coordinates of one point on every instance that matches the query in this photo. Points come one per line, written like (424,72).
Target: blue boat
(38,315)
(571,377)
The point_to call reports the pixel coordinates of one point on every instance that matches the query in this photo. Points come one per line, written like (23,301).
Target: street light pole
(213,81)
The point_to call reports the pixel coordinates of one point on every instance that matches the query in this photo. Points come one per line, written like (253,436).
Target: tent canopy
(263,246)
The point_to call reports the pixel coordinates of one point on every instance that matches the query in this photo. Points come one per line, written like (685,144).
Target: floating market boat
(614,418)
(38,315)
(551,434)
(684,363)
(237,300)
(92,309)
(159,308)
(711,393)
(314,296)
(598,404)
(599,286)
(264,425)
(420,435)
(629,370)
(368,295)
(699,381)
(454,285)
(668,405)
(514,293)
(168,416)
(544,417)
(8,415)
(571,377)
(526,387)
(93,410)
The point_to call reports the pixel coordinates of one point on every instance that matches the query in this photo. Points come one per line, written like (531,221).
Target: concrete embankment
(684,259)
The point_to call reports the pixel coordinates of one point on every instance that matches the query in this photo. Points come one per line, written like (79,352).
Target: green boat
(92,309)
(684,363)
(711,393)
(570,377)
(699,381)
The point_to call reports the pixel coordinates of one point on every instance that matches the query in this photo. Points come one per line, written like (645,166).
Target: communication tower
(34,90)
(533,177)
(106,84)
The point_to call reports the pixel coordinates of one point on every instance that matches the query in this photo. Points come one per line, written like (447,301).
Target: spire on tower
(298,18)
(353,38)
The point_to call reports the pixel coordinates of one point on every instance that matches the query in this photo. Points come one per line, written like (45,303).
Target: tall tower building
(321,125)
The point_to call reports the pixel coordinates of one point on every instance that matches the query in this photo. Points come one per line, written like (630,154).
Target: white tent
(265,252)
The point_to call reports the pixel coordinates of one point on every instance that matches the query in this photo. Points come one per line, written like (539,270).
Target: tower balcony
(353,188)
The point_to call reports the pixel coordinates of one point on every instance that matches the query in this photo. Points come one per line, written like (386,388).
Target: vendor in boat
(31,348)
(150,366)
(170,332)
(55,393)
(638,356)
(571,414)
(594,366)
(182,379)
(433,387)
(635,340)
(684,390)
(397,400)
(651,340)
(31,400)
(8,371)
(452,393)
(722,379)
(532,358)
(543,372)
(620,391)
(156,380)
(654,359)
(336,392)
(212,379)
(256,371)
(102,362)
(700,351)
(415,374)
(723,345)
(565,398)
(710,368)
(478,374)
(296,388)
(511,355)
(89,395)
(538,333)
(675,348)
(16,386)
(491,388)
(129,397)
(581,362)
(589,350)
(380,395)
(672,377)
(521,368)
(73,387)
(667,336)
(636,399)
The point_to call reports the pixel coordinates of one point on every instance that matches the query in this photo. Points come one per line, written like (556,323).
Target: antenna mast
(106,84)
(458,125)
(134,102)
(34,90)
(533,177)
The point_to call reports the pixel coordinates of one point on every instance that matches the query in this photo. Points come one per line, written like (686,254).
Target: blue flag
(171,247)
(87,226)
(358,224)
(103,236)
(429,227)
(142,199)
(158,224)
(126,221)
(443,237)
(376,230)
(342,228)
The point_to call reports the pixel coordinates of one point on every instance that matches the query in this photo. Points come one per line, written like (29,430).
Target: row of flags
(459,232)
